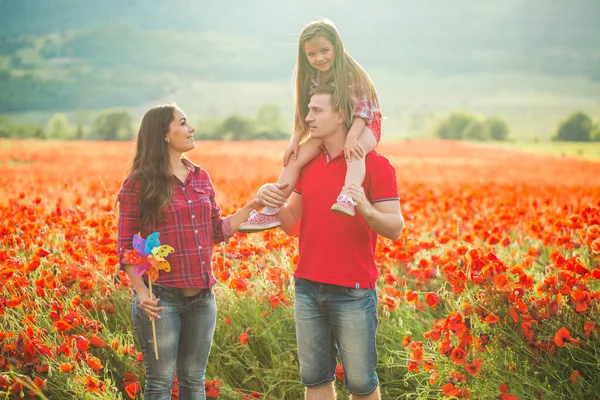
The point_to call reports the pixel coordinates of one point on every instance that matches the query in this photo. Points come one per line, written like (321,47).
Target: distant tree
(83,119)
(4,131)
(113,125)
(595,135)
(269,117)
(458,125)
(498,128)
(59,127)
(476,130)
(26,131)
(576,128)
(270,123)
(236,127)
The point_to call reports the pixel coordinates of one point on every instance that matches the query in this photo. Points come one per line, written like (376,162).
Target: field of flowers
(492,292)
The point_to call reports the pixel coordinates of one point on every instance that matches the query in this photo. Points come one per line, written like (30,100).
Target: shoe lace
(346,198)
(253,214)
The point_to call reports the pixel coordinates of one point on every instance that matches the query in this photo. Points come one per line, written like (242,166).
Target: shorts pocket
(358,293)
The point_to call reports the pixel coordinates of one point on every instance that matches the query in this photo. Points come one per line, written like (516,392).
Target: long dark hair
(346,72)
(151,165)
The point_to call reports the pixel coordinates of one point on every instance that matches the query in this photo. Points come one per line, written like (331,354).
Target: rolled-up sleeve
(221,226)
(129,215)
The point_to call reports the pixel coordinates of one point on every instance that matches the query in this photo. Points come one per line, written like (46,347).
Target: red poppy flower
(339,372)
(243,338)
(561,338)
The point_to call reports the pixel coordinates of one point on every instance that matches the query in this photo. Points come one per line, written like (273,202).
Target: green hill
(528,60)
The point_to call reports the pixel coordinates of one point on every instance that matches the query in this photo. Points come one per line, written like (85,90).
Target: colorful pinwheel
(148,257)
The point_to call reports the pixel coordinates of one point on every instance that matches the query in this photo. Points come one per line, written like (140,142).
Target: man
(336,303)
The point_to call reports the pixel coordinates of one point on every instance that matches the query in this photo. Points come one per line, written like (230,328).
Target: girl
(322,60)
(167,193)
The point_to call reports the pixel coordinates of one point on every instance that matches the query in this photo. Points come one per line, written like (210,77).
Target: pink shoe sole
(260,222)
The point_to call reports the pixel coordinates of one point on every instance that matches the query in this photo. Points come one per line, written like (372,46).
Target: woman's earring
(167,140)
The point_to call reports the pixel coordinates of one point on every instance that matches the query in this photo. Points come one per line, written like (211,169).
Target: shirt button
(203,262)
(193,216)
(183,188)
(199,247)
(196,231)
(189,201)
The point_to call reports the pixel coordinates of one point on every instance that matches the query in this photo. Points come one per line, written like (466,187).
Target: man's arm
(290,215)
(384,217)
(271,195)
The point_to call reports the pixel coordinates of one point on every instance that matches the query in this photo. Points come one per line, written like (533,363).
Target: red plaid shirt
(192,224)
(364,108)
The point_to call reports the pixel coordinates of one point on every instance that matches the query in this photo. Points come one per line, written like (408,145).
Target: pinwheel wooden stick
(148,256)
(153,324)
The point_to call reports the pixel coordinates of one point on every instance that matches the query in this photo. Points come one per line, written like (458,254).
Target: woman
(167,193)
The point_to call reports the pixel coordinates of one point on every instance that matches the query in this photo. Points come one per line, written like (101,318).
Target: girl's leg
(357,168)
(356,172)
(269,217)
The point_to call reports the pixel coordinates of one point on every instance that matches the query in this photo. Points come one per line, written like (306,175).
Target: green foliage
(576,128)
(59,127)
(595,134)
(269,124)
(498,128)
(21,131)
(236,127)
(460,125)
(113,125)
(464,126)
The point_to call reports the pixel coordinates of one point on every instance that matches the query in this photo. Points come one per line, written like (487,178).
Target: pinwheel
(148,257)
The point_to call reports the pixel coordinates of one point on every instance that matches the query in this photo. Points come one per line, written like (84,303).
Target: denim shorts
(332,320)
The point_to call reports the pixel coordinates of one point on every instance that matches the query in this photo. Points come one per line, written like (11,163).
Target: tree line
(577,127)
(119,124)
(269,124)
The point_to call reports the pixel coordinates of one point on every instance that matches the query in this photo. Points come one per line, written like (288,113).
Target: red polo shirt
(337,249)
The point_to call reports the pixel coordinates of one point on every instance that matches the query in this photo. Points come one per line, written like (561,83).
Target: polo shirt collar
(328,156)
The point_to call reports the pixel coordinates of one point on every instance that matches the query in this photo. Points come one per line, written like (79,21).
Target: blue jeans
(333,319)
(184,335)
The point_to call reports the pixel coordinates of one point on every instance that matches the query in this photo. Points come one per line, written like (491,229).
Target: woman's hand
(149,305)
(255,204)
(353,149)
(292,150)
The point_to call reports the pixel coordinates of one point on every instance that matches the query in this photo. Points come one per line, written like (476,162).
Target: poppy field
(492,292)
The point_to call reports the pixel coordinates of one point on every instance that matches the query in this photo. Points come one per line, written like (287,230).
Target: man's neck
(334,143)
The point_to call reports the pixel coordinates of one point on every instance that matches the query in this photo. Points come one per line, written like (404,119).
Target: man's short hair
(322,89)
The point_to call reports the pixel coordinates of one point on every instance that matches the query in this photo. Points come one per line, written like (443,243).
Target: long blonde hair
(346,72)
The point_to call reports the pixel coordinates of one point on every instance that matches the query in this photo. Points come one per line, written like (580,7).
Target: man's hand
(255,204)
(270,194)
(292,150)
(353,149)
(357,193)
